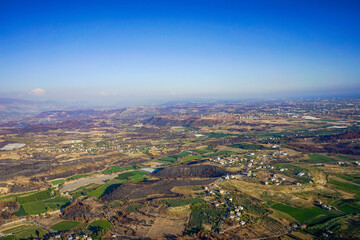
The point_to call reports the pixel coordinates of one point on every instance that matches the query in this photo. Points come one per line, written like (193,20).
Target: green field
(182,202)
(345,158)
(35,197)
(169,159)
(35,208)
(100,226)
(64,225)
(182,154)
(26,231)
(318,158)
(84,191)
(133,176)
(56,203)
(190,158)
(308,216)
(198,217)
(12,197)
(57,182)
(103,189)
(116,168)
(38,207)
(347,187)
(78,176)
(349,206)
(349,178)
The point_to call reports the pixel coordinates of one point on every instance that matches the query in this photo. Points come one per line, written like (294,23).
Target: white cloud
(37,92)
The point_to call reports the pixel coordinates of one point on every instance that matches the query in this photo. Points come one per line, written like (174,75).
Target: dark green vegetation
(248,146)
(345,158)
(309,216)
(347,187)
(198,217)
(218,135)
(349,178)
(182,202)
(64,225)
(133,208)
(350,206)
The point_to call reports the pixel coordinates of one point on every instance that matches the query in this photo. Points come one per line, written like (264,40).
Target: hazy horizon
(138,52)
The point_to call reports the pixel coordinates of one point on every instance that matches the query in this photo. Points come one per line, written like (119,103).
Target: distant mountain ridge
(12,109)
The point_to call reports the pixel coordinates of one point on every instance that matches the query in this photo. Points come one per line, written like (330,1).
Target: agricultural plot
(26,231)
(347,187)
(133,176)
(35,197)
(349,178)
(308,216)
(248,146)
(189,158)
(182,202)
(209,216)
(350,206)
(78,176)
(344,158)
(56,203)
(167,160)
(100,225)
(38,207)
(318,158)
(64,225)
(57,182)
(103,189)
(116,168)
(218,135)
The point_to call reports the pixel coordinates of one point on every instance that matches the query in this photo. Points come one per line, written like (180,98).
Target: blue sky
(141,51)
